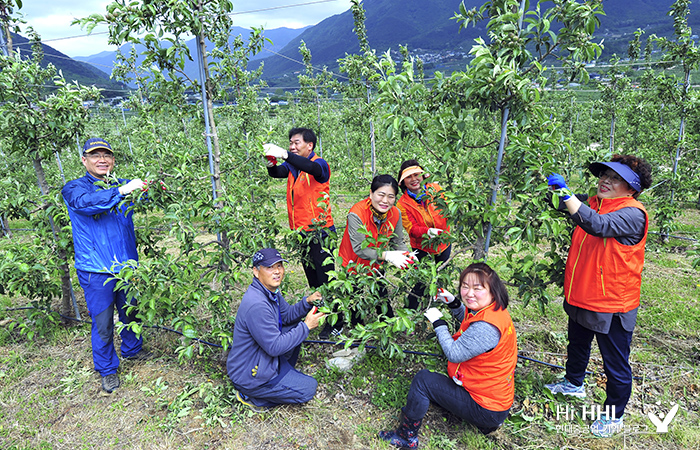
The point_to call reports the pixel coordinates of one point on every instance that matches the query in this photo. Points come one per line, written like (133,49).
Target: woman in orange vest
(421,219)
(602,280)
(481,360)
(380,218)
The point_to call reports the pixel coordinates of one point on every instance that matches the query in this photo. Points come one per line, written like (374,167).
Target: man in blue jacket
(104,238)
(267,338)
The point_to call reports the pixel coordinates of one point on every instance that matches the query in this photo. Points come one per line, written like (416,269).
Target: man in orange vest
(308,198)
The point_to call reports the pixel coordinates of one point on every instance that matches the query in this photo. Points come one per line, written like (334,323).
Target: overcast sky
(52,19)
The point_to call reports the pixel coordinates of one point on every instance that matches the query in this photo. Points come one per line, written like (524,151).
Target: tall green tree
(39,112)
(163,29)
(502,191)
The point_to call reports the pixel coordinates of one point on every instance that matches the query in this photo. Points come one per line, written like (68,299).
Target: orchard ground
(51,397)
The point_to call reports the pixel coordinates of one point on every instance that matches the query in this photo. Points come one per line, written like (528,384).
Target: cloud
(52,19)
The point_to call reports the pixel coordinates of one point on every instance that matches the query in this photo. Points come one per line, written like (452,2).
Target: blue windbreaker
(101,237)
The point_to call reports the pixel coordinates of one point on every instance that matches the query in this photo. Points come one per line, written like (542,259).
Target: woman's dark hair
(640,166)
(488,277)
(405,165)
(384,180)
(306,133)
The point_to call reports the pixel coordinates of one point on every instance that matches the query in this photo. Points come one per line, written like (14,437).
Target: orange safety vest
(412,213)
(489,377)
(363,211)
(308,201)
(601,274)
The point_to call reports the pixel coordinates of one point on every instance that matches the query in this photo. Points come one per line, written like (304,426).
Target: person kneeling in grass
(267,338)
(482,356)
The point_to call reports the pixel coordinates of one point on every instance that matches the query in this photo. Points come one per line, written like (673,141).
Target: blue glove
(557,182)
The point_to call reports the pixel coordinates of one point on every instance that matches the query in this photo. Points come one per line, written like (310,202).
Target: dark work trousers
(418,290)
(101,298)
(615,350)
(435,387)
(312,260)
(289,386)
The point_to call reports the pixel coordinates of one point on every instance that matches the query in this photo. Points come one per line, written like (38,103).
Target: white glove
(275,151)
(432,314)
(131,186)
(398,258)
(434,232)
(445,296)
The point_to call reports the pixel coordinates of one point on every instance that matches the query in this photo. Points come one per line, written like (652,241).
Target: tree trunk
(612,134)
(479,252)
(215,150)
(66,289)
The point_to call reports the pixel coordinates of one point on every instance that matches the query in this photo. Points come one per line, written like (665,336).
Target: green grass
(50,395)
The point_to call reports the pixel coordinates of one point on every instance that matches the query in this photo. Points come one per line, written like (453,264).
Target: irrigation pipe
(372,347)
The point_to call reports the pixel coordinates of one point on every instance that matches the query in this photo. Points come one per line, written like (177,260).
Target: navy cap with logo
(267,257)
(625,171)
(93,144)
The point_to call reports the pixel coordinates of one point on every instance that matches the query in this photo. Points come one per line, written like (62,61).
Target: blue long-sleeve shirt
(258,337)
(102,238)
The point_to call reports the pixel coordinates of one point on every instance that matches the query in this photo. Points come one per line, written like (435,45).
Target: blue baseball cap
(93,144)
(267,257)
(627,174)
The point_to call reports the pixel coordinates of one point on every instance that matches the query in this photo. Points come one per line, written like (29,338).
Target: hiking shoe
(110,382)
(325,333)
(606,427)
(565,387)
(329,331)
(143,355)
(247,401)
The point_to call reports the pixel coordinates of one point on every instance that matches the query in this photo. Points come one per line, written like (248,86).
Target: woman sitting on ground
(481,360)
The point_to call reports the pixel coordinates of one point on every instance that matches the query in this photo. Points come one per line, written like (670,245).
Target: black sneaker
(329,331)
(110,382)
(143,355)
(325,333)
(336,332)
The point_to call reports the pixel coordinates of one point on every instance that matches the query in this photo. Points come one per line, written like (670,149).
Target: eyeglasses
(98,156)
(610,175)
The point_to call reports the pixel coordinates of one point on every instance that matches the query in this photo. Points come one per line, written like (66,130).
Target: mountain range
(423,26)
(279,37)
(426,25)
(71,69)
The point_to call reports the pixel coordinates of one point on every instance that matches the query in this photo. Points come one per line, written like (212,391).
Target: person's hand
(316,296)
(444,295)
(432,314)
(271,161)
(275,151)
(557,182)
(434,232)
(398,258)
(131,186)
(313,317)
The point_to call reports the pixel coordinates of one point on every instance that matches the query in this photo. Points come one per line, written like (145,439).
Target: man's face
(270,277)
(299,146)
(98,163)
